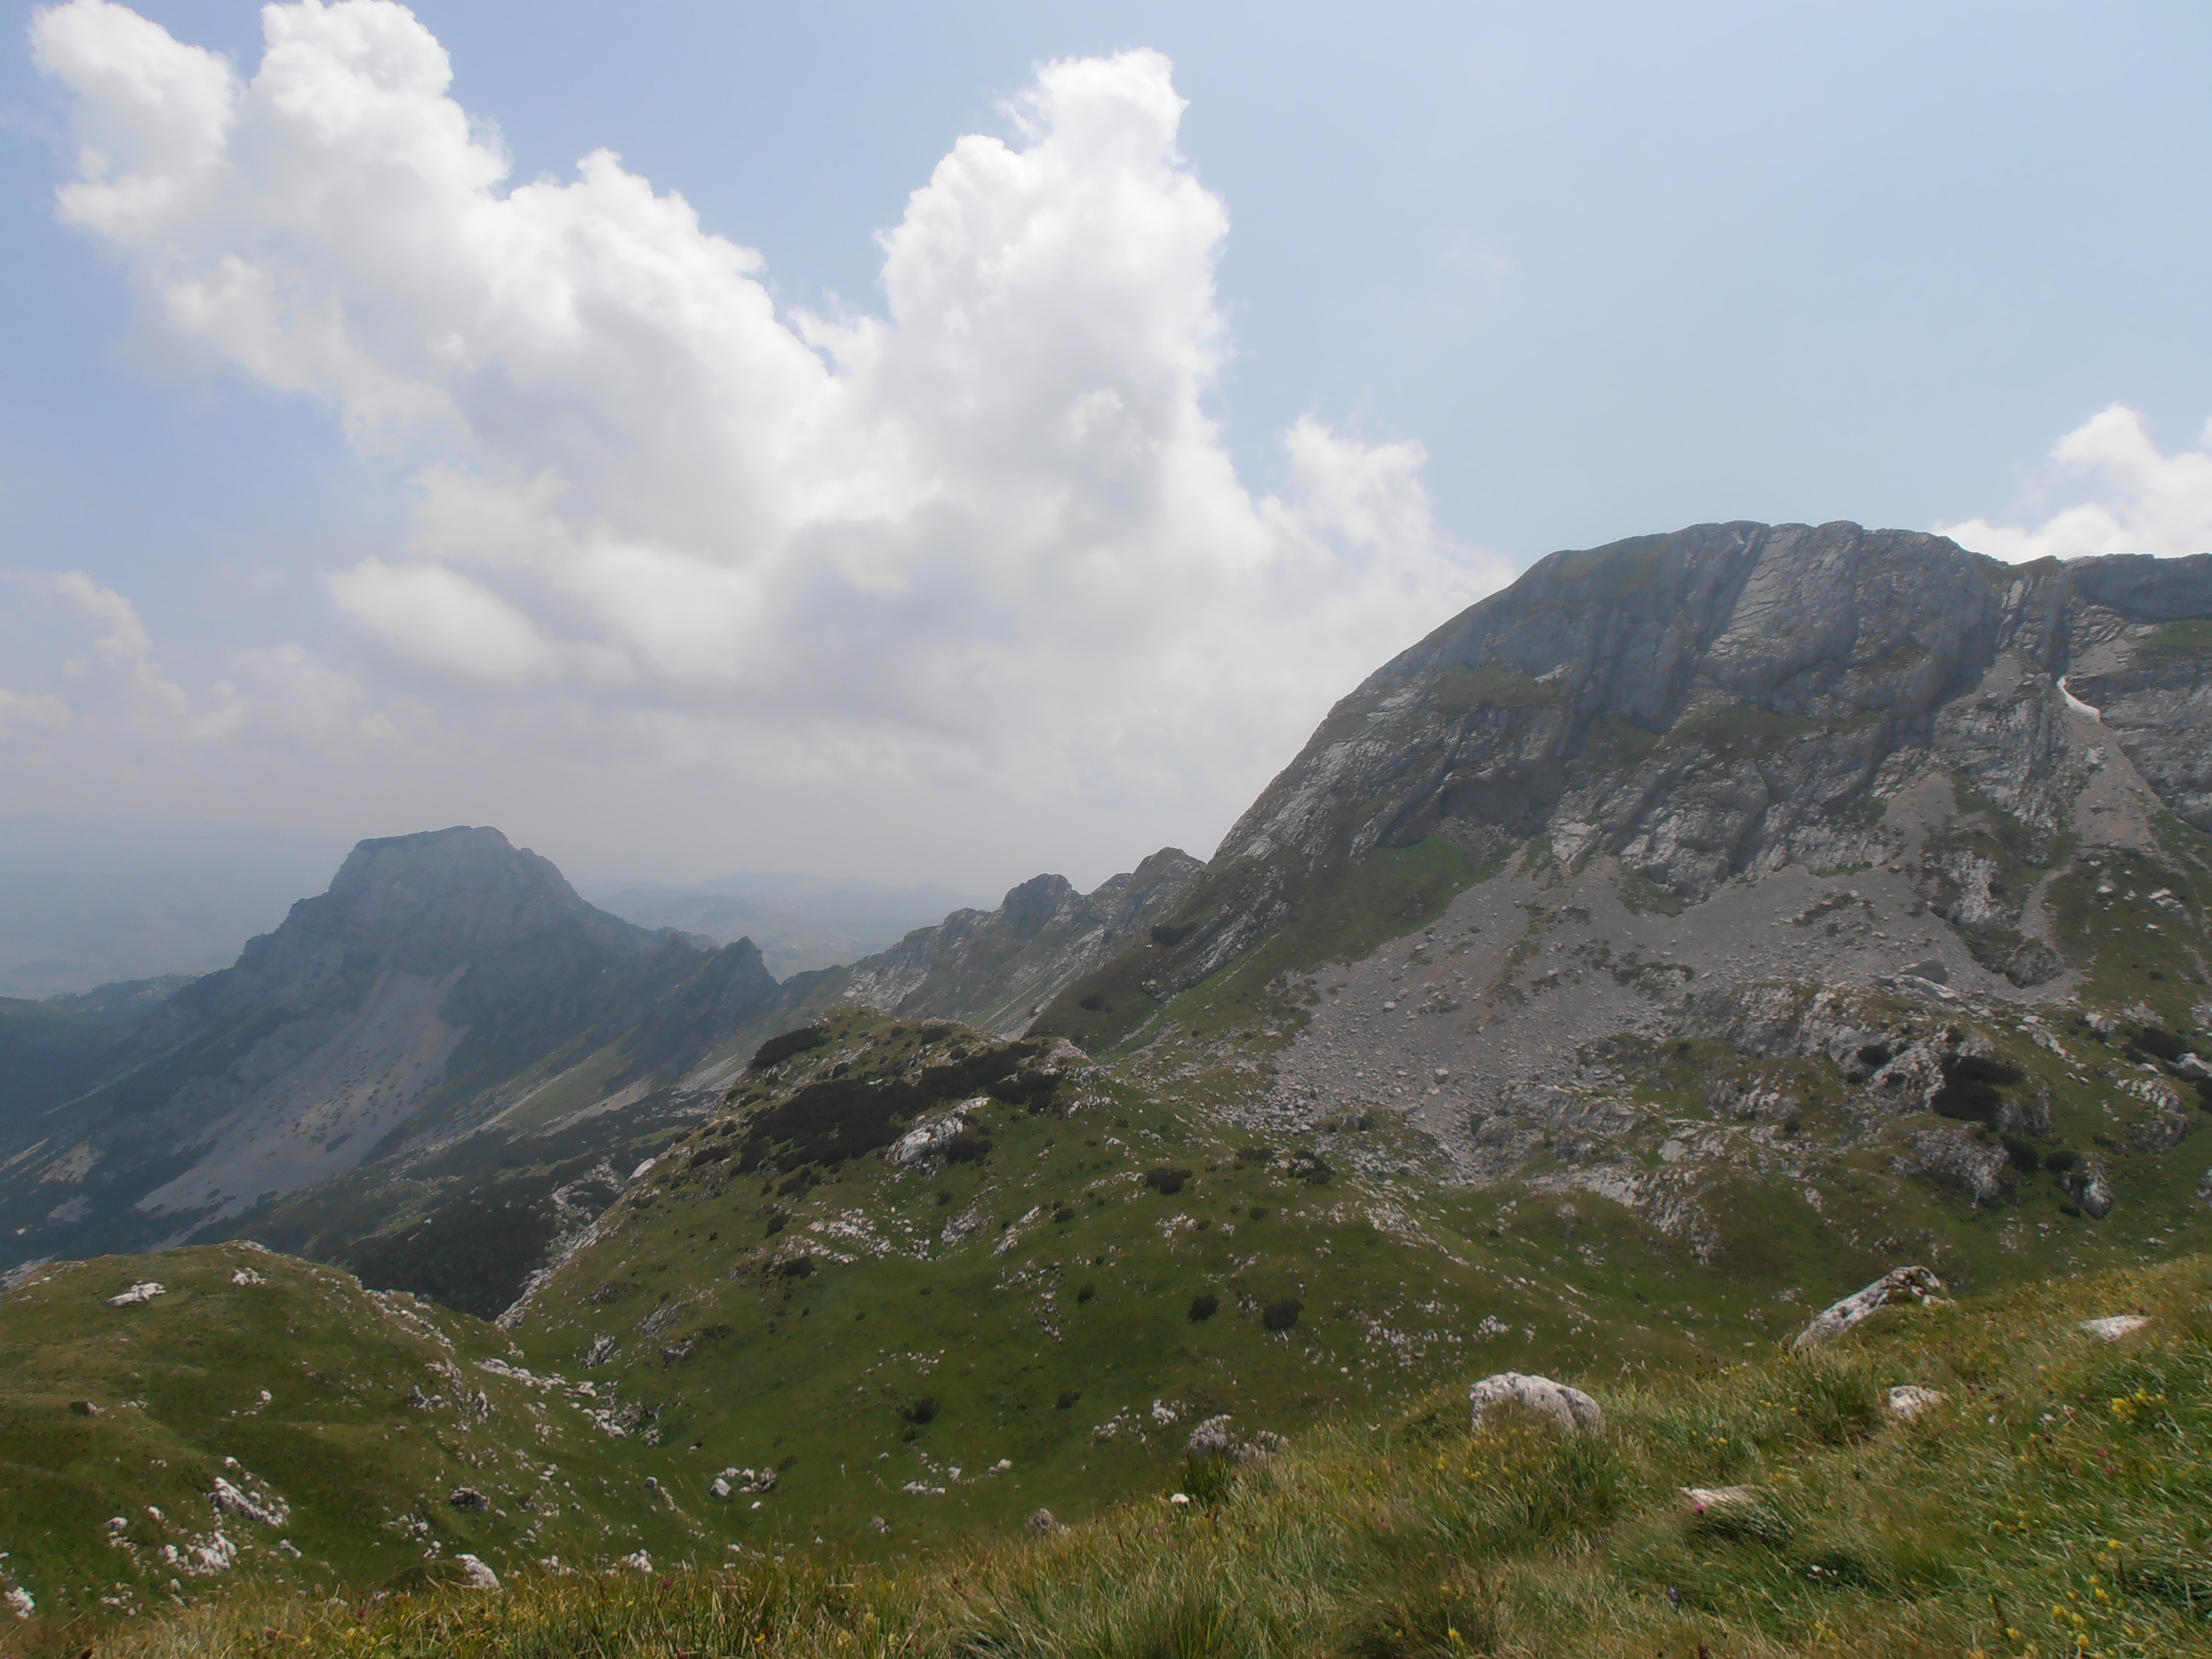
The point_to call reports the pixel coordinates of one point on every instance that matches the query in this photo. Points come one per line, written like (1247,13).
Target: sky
(943,443)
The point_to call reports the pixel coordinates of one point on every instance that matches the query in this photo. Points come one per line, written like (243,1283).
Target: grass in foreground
(2057,1501)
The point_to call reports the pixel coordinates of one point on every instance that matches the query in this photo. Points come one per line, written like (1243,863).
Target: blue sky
(1612,269)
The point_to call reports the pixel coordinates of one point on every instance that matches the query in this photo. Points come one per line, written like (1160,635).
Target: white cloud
(993,532)
(2145,501)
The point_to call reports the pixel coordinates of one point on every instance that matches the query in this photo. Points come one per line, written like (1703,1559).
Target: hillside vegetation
(2056,1499)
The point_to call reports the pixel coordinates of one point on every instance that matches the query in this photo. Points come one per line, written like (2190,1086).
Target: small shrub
(1167,935)
(1970,1087)
(1067,1399)
(1203,1308)
(967,1147)
(1092,1004)
(777,1049)
(1836,1401)
(777,1222)
(921,1412)
(1166,1182)
(800,1266)
(2060,1161)
(1259,1212)
(1208,1480)
(2154,1043)
(1281,1315)
(1086,1292)
(2024,1157)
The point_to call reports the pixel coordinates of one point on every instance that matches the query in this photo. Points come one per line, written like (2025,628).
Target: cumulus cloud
(2143,500)
(995,527)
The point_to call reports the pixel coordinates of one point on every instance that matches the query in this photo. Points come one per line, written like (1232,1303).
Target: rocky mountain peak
(431,901)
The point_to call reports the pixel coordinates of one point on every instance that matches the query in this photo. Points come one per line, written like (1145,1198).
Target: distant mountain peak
(446,896)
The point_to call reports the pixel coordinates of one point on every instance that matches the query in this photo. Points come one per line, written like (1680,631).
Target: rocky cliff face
(997,968)
(1729,701)
(1926,803)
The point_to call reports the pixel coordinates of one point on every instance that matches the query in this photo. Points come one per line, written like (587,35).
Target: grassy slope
(2054,1502)
(1394,1273)
(180,1381)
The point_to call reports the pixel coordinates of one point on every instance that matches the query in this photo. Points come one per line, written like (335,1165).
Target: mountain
(997,968)
(1666,946)
(441,1071)
(1834,807)
(442,983)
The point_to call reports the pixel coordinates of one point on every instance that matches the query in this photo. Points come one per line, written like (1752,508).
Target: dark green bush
(777,1049)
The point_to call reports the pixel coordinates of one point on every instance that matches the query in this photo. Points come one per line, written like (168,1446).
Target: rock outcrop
(1899,1287)
(1570,1408)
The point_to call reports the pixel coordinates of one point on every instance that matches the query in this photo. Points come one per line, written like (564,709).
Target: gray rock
(2114,1326)
(2195,1067)
(480,1576)
(1955,1158)
(1909,1400)
(1900,1286)
(1040,1523)
(1569,1407)
(1211,1439)
(2096,1197)
(1932,970)
(468,1497)
(266,1507)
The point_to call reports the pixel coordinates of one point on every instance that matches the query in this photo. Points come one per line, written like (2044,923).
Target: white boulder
(926,1140)
(1899,1286)
(1909,1400)
(2113,1326)
(480,1576)
(138,1293)
(1570,1408)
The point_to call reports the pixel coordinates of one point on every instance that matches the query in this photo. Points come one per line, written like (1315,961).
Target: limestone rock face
(1900,1286)
(1570,1408)
(1730,699)
(996,968)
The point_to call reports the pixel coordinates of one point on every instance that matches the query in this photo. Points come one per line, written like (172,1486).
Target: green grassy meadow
(2057,1500)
